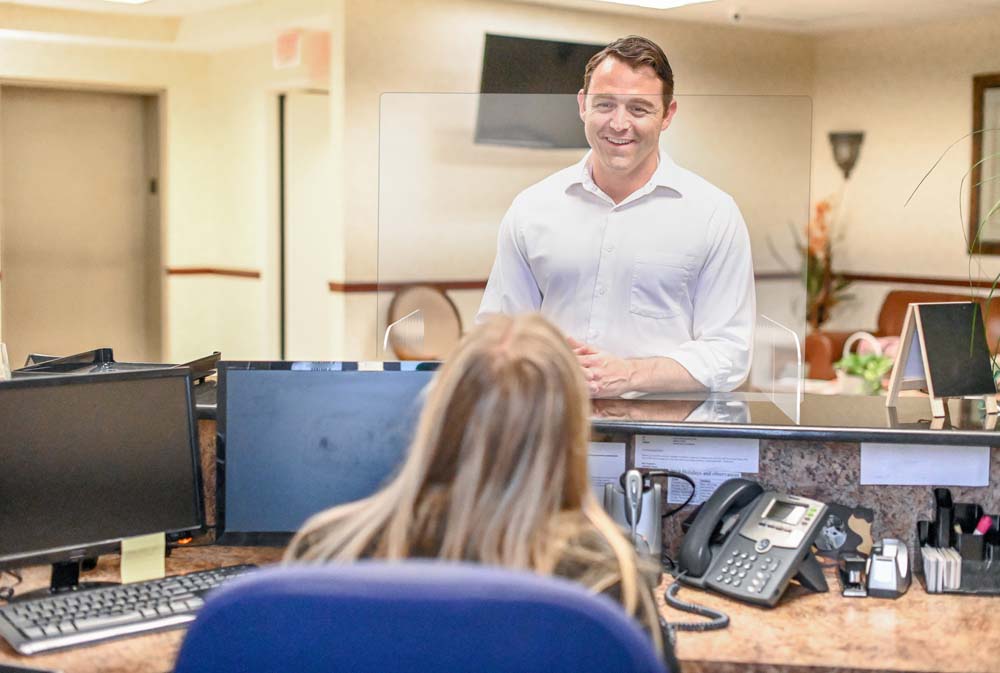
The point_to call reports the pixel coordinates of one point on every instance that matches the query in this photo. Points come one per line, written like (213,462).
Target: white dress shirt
(665,273)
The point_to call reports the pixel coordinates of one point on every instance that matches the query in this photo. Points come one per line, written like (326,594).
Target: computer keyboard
(87,616)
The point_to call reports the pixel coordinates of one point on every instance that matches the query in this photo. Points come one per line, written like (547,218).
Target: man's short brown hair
(636,51)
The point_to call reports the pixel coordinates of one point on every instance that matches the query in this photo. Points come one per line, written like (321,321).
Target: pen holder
(980,553)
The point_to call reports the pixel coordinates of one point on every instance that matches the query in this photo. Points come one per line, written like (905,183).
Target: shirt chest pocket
(660,285)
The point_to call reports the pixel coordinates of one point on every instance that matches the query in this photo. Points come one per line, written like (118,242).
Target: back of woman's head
(505,431)
(500,451)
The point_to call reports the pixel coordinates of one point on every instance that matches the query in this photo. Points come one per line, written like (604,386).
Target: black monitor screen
(86,460)
(520,82)
(296,440)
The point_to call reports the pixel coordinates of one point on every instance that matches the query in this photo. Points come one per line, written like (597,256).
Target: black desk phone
(748,543)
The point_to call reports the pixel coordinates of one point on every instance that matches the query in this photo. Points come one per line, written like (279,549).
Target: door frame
(159,96)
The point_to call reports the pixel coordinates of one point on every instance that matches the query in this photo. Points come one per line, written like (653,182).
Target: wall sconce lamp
(846,147)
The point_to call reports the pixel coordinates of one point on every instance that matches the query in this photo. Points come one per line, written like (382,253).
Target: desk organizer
(980,553)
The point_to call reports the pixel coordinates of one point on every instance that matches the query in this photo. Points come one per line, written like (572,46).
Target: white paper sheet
(706,481)
(606,461)
(697,454)
(924,465)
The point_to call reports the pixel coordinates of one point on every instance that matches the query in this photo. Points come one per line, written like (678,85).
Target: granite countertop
(821,633)
(827,632)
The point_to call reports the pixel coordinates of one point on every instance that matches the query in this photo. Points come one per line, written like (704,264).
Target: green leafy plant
(870,367)
(975,246)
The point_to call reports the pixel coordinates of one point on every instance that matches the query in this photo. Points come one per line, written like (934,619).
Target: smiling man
(645,265)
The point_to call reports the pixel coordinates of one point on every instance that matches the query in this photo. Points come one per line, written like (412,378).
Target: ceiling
(800,16)
(154,7)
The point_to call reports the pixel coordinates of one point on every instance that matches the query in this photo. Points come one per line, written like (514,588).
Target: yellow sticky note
(144,557)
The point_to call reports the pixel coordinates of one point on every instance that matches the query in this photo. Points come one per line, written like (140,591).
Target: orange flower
(819,230)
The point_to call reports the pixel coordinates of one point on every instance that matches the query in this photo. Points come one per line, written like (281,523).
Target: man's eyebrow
(648,99)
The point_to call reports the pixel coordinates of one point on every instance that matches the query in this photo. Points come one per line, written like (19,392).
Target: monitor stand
(65,578)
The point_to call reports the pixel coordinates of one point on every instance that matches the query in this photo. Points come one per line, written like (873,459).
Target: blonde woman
(497,474)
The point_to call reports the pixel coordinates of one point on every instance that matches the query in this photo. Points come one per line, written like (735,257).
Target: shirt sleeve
(718,355)
(512,287)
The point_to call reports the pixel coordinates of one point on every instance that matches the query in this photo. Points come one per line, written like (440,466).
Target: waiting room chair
(441,324)
(411,617)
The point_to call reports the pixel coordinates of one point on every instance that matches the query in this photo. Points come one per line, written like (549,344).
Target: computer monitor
(298,437)
(88,460)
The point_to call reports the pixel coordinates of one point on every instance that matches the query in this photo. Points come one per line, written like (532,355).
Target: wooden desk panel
(815,633)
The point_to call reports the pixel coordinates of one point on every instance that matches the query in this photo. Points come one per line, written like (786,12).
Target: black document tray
(102,360)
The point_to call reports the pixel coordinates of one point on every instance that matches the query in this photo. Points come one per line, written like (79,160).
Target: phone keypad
(747,572)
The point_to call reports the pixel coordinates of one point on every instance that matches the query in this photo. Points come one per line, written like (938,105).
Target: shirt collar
(667,174)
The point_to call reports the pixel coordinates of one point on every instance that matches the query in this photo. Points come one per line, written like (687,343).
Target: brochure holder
(943,349)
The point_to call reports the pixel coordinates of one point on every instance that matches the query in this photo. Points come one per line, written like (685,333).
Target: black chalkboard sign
(943,348)
(958,359)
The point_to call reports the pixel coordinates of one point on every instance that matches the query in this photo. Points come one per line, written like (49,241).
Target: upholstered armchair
(823,347)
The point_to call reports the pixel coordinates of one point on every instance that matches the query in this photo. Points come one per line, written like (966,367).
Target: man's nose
(619,120)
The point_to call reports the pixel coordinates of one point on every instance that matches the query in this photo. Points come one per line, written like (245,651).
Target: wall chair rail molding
(349,287)
(917,280)
(211,271)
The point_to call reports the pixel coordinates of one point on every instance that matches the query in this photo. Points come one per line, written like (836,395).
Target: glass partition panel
(405,336)
(777,366)
(451,165)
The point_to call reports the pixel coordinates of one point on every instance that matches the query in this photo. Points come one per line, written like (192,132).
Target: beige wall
(910,90)
(437,46)
(220,140)
(181,79)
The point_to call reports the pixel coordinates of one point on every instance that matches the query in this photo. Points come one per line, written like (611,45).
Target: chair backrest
(440,320)
(413,616)
(890,318)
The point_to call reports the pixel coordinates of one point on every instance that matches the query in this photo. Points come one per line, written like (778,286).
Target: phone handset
(636,504)
(731,497)
(749,543)
(633,503)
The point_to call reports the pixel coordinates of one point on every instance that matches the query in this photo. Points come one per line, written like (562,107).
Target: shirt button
(609,248)
(601,291)
(594,335)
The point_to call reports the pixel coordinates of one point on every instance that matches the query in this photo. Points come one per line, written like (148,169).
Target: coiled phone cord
(717,618)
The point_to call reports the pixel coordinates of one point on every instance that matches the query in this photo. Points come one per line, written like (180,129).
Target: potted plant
(824,288)
(867,370)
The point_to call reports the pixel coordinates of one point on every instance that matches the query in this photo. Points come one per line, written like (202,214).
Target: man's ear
(581,100)
(669,116)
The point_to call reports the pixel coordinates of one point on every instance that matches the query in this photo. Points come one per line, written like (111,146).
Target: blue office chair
(411,617)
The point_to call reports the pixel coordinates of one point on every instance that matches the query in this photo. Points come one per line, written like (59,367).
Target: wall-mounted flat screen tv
(531,70)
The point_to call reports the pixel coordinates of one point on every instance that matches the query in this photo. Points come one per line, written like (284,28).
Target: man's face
(623,116)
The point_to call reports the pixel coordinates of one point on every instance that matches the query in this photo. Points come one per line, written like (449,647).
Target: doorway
(80,235)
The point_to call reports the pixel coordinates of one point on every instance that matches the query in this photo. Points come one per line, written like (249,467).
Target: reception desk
(818,456)
(818,633)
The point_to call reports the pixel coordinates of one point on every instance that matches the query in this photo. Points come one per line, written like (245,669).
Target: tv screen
(517,106)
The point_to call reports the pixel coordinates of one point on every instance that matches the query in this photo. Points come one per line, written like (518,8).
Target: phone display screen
(785,512)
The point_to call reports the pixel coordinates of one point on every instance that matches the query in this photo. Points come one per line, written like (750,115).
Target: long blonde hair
(497,473)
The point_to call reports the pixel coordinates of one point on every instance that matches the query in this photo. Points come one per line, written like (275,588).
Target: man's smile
(619,141)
